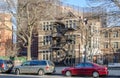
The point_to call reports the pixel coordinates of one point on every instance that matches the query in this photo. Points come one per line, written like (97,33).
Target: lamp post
(86,34)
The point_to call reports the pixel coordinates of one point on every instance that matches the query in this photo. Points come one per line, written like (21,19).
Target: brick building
(63,40)
(5,34)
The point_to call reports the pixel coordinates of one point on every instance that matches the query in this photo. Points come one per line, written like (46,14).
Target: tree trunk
(29,49)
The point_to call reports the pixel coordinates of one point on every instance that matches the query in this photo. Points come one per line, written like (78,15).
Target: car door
(79,69)
(88,69)
(34,66)
(25,67)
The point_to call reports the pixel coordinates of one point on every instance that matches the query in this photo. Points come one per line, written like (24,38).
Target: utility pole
(86,37)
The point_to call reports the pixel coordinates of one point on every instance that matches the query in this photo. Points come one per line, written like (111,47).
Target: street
(45,76)
(113,73)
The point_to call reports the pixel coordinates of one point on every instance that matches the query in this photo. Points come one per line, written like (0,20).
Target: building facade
(5,33)
(110,43)
(64,41)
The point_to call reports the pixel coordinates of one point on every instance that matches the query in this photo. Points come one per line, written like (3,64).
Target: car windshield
(26,63)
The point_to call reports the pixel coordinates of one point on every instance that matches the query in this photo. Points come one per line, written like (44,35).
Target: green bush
(13,58)
(4,57)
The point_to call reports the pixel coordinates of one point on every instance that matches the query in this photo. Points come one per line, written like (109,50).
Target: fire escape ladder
(61,44)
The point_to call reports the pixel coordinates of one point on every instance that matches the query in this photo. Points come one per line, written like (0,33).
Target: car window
(42,63)
(1,61)
(88,65)
(26,63)
(50,63)
(80,65)
(33,63)
(38,63)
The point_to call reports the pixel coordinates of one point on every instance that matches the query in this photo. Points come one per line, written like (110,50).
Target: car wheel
(40,72)
(17,71)
(68,73)
(95,74)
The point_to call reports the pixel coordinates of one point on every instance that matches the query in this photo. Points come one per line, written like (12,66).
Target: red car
(86,69)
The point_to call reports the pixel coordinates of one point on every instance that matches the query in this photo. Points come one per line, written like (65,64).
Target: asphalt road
(45,76)
(113,73)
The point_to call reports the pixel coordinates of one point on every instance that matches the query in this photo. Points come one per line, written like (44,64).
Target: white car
(114,65)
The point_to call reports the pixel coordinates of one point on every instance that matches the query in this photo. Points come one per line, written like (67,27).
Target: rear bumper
(50,71)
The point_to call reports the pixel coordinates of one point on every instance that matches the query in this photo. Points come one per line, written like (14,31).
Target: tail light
(47,67)
(2,65)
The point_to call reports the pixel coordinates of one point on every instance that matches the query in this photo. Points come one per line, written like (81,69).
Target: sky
(81,3)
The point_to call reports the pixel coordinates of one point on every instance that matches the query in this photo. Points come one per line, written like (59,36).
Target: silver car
(39,67)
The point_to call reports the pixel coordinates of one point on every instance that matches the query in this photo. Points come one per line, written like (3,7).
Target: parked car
(39,67)
(86,69)
(6,66)
(115,65)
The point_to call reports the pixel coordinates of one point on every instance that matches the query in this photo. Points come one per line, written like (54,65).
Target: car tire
(40,72)
(68,73)
(17,71)
(95,74)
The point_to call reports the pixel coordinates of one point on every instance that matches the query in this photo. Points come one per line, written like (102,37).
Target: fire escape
(63,45)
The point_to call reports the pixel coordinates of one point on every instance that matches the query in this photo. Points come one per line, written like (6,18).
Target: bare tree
(28,14)
(112,8)
(99,2)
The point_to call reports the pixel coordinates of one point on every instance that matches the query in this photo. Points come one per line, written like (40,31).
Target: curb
(106,76)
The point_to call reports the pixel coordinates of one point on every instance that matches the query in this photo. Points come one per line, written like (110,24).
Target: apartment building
(65,36)
(63,41)
(110,43)
(5,34)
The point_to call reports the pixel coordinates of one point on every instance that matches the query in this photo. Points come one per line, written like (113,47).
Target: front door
(25,67)
(79,69)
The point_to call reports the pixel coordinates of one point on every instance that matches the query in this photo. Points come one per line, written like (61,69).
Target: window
(115,34)
(71,39)
(88,65)
(115,44)
(50,63)
(26,63)
(71,24)
(41,62)
(47,40)
(46,55)
(106,45)
(33,63)
(44,27)
(51,28)
(47,26)
(80,65)
(106,34)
